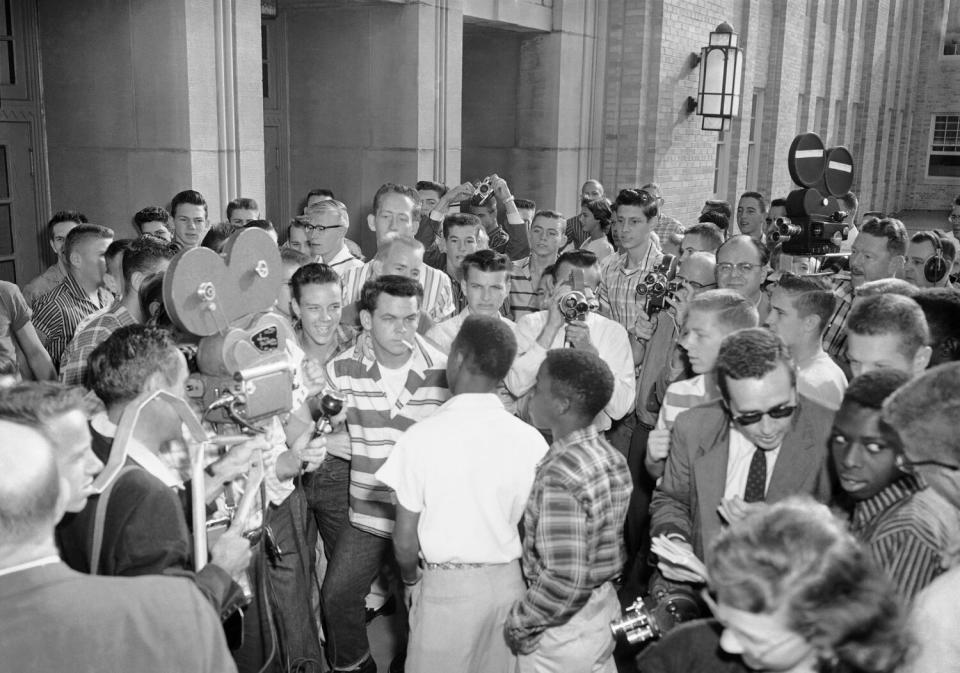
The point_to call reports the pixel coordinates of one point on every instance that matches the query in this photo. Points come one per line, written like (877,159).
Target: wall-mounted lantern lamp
(721,68)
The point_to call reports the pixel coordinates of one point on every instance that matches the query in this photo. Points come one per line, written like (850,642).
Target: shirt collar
(867,510)
(138,453)
(342,256)
(581,436)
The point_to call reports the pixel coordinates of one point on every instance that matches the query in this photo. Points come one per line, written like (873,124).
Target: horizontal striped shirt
(686,394)
(907,528)
(617,292)
(573,530)
(57,314)
(524,279)
(375,424)
(342,262)
(437,293)
(88,336)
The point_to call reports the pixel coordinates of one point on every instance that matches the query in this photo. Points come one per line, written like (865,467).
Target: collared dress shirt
(573,530)
(343,262)
(57,314)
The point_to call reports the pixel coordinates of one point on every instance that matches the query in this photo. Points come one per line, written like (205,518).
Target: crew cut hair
(809,296)
(891,314)
(489,261)
(487,345)
(81,233)
(751,354)
(729,308)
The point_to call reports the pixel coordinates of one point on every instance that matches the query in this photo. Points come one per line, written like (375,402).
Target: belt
(449,565)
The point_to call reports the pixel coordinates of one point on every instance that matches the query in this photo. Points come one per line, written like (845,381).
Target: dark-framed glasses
(319,228)
(753,417)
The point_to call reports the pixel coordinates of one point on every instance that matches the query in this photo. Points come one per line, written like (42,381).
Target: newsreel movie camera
(659,285)
(815,221)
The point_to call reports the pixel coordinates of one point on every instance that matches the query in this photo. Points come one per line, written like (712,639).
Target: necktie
(756,489)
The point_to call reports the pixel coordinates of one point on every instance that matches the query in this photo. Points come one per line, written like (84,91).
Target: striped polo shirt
(617,292)
(375,425)
(523,289)
(437,293)
(686,394)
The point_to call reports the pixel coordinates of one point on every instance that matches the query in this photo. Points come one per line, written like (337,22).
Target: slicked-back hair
(312,274)
(431,186)
(719,206)
(489,261)
(460,220)
(119,367)
(266,225)
(402,190)
(487,345)
(242,204)
(924,412)
(29,492)
(709,232)
(762,251)
(891,229)
(760,198)
(648,203)
(191,197)
(809,297)
(65,216)
(941,308)
(729,308)
(751,354)
(870,389)
(395,286)
(37,403)
(81,233)
(145,255)
(117,247)
(891,314)
(525,204)
(579,259)
(151,214)
(291,257)
(940,241)
(582,378)
(217,236)
(717,219)
(796,558)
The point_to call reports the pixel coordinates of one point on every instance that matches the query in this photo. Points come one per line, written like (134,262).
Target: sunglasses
(753,417)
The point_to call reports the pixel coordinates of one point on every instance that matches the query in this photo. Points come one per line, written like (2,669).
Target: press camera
(659,284)
(574,304)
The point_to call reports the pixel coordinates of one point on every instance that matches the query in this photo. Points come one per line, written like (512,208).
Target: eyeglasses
(909,466)
(753,417)
(743,268)
(319,228)
(839,442)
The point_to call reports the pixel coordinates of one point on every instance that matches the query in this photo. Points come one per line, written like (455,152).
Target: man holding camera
(577,274)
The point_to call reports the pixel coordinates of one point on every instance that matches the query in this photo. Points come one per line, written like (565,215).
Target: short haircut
(939,241)
(600,209)
(117,246)
(37,403)
(809,296)
(408,242)
(640,198)
(870,389)
(762,251)
(312,273)
(525,204)
(319,192)
(708,232)
(217,235)
(266,225)
(719,206)
(395,286)
(290,256)
(729,308)
(296,223)
(890,314)
(119,367)
(580,377)
(29,490)
(716,218)
(488,346)
(402,190)
(489,261)
(81,233)
(778,203)
(190,197)
(580,259)
(891,229)
(241,204)
(796,558)
(431,186)
(751,354)
(144,255)
(460,220)
(549,214)
(761,199)
(65,216)
(924,412)
(326,206)
(941,308)
(151,214)
(880,286)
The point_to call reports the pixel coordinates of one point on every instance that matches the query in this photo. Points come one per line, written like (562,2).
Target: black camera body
(816,218)
(650,617)
(574,305)
(659,284)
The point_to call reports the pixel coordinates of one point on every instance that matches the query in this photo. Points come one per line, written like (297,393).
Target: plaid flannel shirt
(73,363)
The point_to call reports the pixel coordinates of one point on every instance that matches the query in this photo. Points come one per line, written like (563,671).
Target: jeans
(356,560)
(328,493)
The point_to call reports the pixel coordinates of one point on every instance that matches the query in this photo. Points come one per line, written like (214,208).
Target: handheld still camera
(574,305)
(650,617)
(816,223)
(483,191)
(243,372)
(659,284)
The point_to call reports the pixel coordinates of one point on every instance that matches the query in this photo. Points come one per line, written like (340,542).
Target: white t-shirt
(394,380)
(468,470)
(822,380)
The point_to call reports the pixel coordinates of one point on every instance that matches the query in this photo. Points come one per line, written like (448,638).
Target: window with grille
(943,158)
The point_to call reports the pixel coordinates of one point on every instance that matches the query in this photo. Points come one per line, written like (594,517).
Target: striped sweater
(375,425)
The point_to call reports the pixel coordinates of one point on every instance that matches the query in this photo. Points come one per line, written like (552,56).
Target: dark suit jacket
(55,619)
(686,500)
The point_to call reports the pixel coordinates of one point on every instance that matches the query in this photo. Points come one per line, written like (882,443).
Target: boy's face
(783,320)
(543,405)
(701,338)
(865,462)
(403,261)
(867,352)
